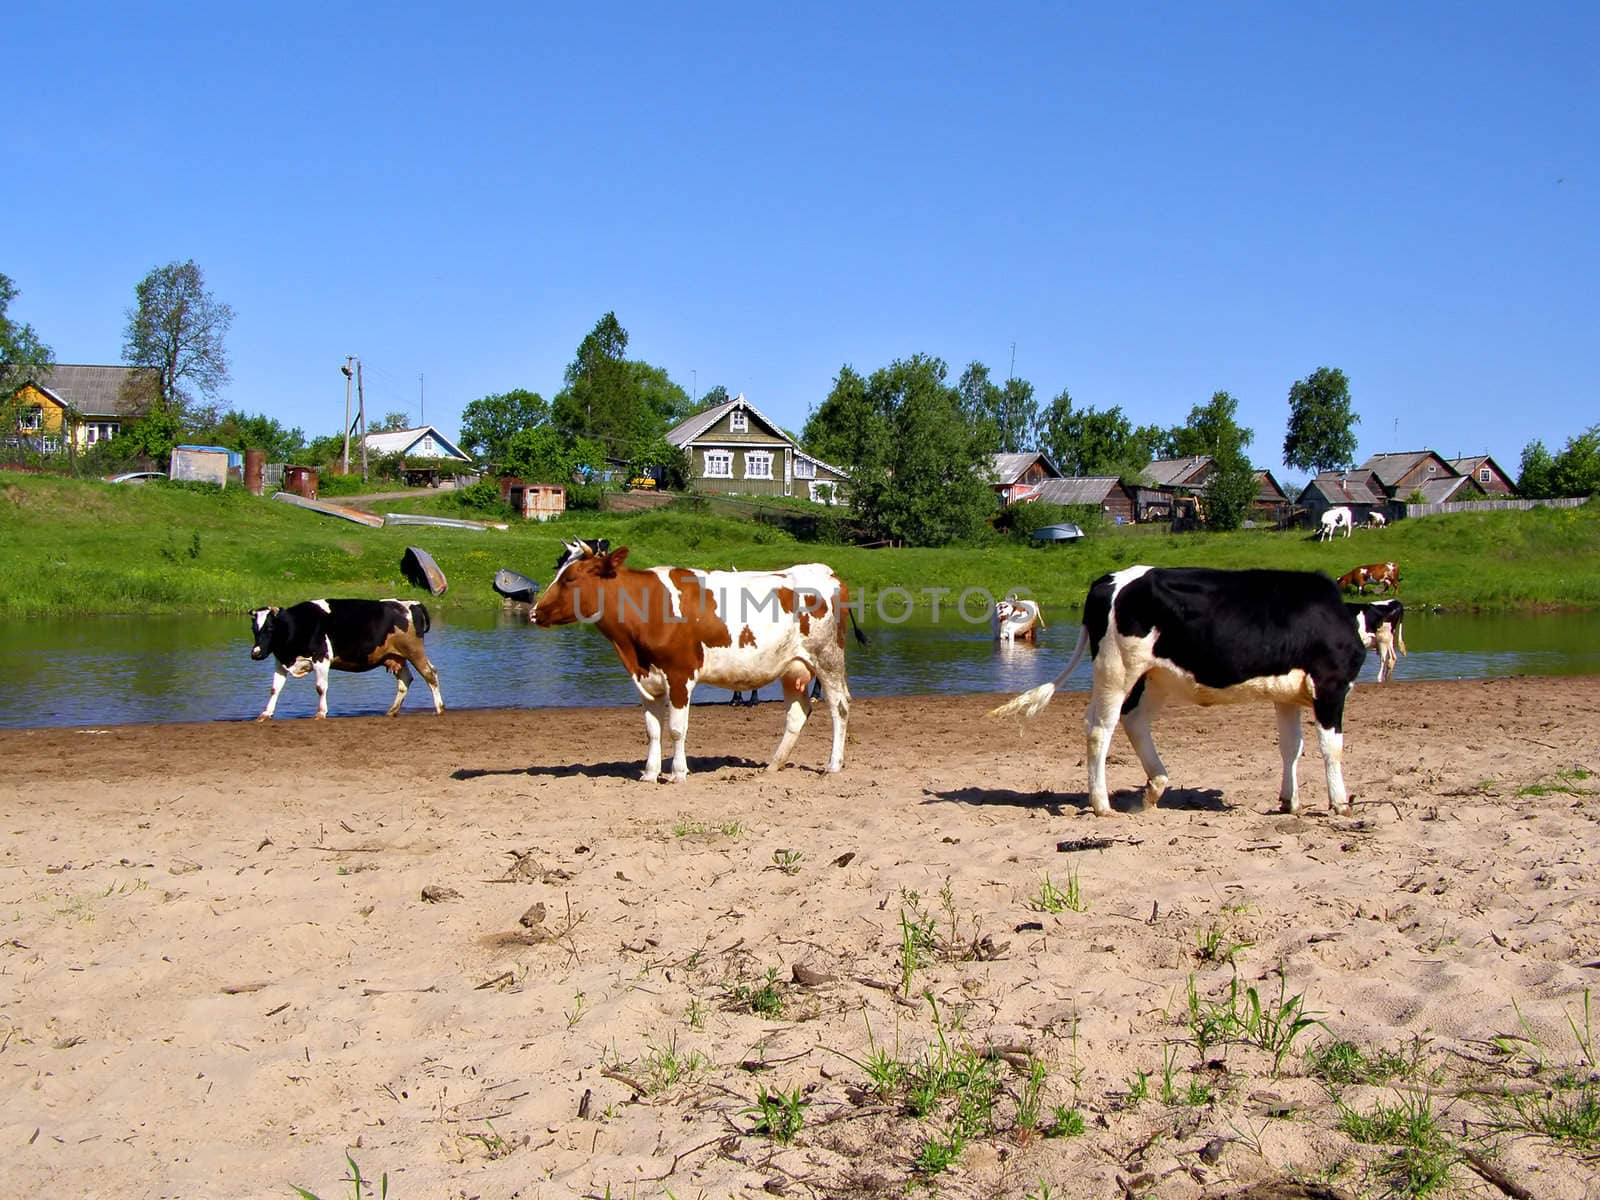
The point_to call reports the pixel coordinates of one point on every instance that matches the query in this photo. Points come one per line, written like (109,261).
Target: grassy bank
(69,546)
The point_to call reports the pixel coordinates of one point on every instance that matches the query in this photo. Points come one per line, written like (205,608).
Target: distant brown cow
(1384,576)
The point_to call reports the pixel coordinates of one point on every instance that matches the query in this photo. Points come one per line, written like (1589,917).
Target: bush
(583,496)
(483,498)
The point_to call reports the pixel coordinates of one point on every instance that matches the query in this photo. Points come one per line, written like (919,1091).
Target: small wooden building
(1115,500)
(534,501)
(1487,474)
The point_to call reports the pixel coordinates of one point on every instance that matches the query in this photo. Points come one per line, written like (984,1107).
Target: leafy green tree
(1213,429)
(709,399)
(1091,442)
(1017,416)
(545,454)
(1321,435)
(920,469)
(1576,470)
(21,355)
(153,434)
(663,402)
(253,431)
(599,400)
(21,351)
(1229,491)
(1003,413)
(178,327)
(391,422)
(489,422)
(1536,479)
(658,453)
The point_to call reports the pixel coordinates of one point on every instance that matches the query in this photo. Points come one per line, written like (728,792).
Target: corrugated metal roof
(1077,489)
(1008,468)
(95,391)
(1170,472)
(1438,490)
(1391,468)
(1335,488)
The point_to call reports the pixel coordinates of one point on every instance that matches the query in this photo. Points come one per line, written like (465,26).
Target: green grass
(74,546)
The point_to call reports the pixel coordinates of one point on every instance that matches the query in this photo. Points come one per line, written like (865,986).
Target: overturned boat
(515,587)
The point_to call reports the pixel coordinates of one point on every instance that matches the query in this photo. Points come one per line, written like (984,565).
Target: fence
(1454,506)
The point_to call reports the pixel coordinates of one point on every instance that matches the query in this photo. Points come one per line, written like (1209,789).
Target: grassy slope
(71,546)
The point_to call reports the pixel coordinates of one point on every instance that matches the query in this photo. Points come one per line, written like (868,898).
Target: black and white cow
(344,635)
(1157,634)
(1380,626)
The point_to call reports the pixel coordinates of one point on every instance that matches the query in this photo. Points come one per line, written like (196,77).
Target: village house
(1115,500)
(1017,475)
(1385,482)
(736,450)
(71,406)
(1487,473)
(423,452)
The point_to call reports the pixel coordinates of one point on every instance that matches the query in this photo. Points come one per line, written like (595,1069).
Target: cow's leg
(655,711)
(836,695)
(678,728)
(1329,711)
(402,681)
(320,668)
(1137,720)
(430,676)
(1291,741)
(1105,707)
(797,707)
(278,677)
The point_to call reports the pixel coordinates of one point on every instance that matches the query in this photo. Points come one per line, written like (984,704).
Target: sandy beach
(478,955)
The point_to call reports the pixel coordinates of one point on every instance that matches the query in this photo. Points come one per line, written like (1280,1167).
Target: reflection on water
(106,671)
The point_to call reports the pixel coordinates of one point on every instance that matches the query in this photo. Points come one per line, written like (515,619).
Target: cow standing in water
(675,628)
(1157,634)
(1380,625)
(1017,620)
(344,635)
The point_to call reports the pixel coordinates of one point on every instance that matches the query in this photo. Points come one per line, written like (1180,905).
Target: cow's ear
(615,559)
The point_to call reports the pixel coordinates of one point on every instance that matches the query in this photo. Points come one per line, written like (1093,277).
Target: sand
(219,972)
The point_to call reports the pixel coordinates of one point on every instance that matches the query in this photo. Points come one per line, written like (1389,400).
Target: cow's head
(263,621)
(1005,609)
(575,592)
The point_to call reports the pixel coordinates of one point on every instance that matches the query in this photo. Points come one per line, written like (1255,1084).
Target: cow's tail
(1031,703)
(861,638)
(420,621)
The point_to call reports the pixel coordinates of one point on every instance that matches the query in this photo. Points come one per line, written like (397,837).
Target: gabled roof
(95,391)
(687,430)
(1444,487)
(1267,487)
(1339,487)
(1469,466)
(1076,489)
(1175,472)
(402,441)
(1391,468)
(1008,468)
(839,471)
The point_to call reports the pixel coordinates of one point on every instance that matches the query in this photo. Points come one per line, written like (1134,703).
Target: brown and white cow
(1384,576)
(675,628)
(1017,620)
(1376,520)
(1380,625)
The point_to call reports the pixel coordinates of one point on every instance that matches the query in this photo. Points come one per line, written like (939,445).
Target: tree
(1576,470)
(21,351)
(1004,413)
(178,328)
(663,403)
(545,454)
(243,431)
(1321,434)
(710,398)
(22,355)
(1090,442)
(1229,491)
(920,469)
(599,400)
(1536,479)
(1213,429)
(489,422)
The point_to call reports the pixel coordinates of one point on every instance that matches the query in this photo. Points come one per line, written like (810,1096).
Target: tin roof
(97,391)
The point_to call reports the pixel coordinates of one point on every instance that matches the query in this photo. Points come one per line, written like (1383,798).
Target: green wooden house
(735,450)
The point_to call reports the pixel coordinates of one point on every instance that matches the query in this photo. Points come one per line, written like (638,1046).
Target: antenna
(1013,374)
(422,408)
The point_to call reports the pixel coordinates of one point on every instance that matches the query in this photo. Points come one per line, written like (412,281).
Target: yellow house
(76,406)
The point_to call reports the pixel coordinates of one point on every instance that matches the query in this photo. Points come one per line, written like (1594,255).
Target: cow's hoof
(833,768)
(1288,806)
(1107,811)
(677,776)
(319,716)
(262,717)
(650,777)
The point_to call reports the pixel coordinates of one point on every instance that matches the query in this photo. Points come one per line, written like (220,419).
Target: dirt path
(218,971)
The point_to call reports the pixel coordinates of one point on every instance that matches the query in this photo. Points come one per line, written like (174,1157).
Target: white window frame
(832,491)
(739,421)
(719,464)
(804,468)
(758,458)
(31,419)
(50,444)
(1485,475)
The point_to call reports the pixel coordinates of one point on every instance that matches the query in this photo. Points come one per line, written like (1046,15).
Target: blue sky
(1151,205)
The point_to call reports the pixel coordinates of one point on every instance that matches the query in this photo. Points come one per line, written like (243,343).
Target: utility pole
(361,409)
(348,359)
